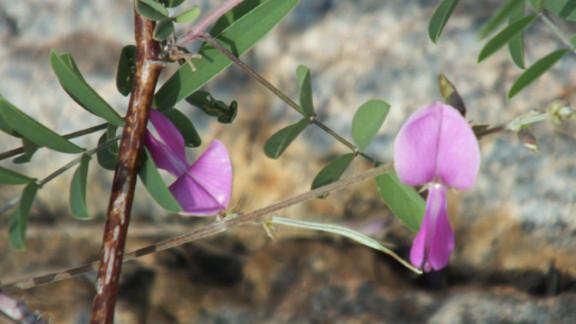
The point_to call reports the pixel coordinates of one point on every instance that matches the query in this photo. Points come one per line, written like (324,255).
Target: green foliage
(537,4)
(78,190)
(499,17)
(29,150)
(367,121)
(213,107)
(185,126)
(126,70)
(505,36)
(187,16)
(516,43)
(32,130)
(108,155)
(156,187)
(563,8)
(277,143)
(164,28)
(332,171)
(402,200)
(171,3)
(75,85)
(238,35)
(151,9)
(305,90)
(19,220)
(439,19)
(535,71)
(8,176)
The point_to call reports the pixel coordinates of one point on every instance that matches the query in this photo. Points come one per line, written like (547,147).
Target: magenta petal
(168,133)
(163,157)
(206,186)
(416,146)
(434,243)
(458,157)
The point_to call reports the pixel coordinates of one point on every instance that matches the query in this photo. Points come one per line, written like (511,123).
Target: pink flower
(436,147)
(202,188)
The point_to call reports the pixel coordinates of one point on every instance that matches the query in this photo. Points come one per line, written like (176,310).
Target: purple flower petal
(168,133)
(416,146)
(437,144)
(164,157)
(206,186)
(458,157)
(434,243)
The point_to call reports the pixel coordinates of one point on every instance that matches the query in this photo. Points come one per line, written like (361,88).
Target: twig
(207,21)
(209,39)
(565,39)
(205,231)
(125,175)
(82,132)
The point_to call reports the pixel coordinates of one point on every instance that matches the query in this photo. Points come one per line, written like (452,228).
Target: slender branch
(207,21)
(205,231)
(82,132)
(209,39)
(125,176)
(563,37)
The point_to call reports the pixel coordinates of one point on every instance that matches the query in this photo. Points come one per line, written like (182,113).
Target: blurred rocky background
(515,258)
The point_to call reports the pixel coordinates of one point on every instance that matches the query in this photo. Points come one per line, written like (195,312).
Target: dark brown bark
(118,217)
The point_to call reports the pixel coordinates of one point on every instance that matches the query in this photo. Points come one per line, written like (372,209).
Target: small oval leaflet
(367,121)
(151,9)
(535,71)
(403,200)
(156,187)
(33,130)
(516,44)
(78,190)
(503,37)
(187,16)
(164,28)
(439,19)
(332,171)
(19,220)
(126,70)
(305,89)
(277,143)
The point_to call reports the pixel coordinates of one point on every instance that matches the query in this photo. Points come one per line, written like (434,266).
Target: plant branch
(82,132)
(206,231)
(148,68)
(209,39)
(565,39)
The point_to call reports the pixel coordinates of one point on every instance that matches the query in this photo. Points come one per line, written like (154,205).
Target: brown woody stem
(118,217)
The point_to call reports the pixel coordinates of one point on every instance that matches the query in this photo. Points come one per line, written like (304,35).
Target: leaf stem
(82,132)
(565,39)
(252,73)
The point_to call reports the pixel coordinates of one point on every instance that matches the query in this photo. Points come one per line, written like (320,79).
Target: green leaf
(8,176)
(277,143)
(185,126)
(499,17)
(211,106)
(402,200)
(151,9)
(450,94)
(33,130)
(440,18)
(367,121)
(164,28)
(516,44)
(187,16)
(29,150)
(75,85)
(537,5)
(171,3)
(535,71)
(78,190)
(238,37)
(503,37)
(305,90)
(107,156)
(563,8)
(332,171)
(155,185)
(126,70)
(19,220)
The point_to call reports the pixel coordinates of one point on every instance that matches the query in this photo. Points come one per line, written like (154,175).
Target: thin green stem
(82,132)
(563,37)
(209,39)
